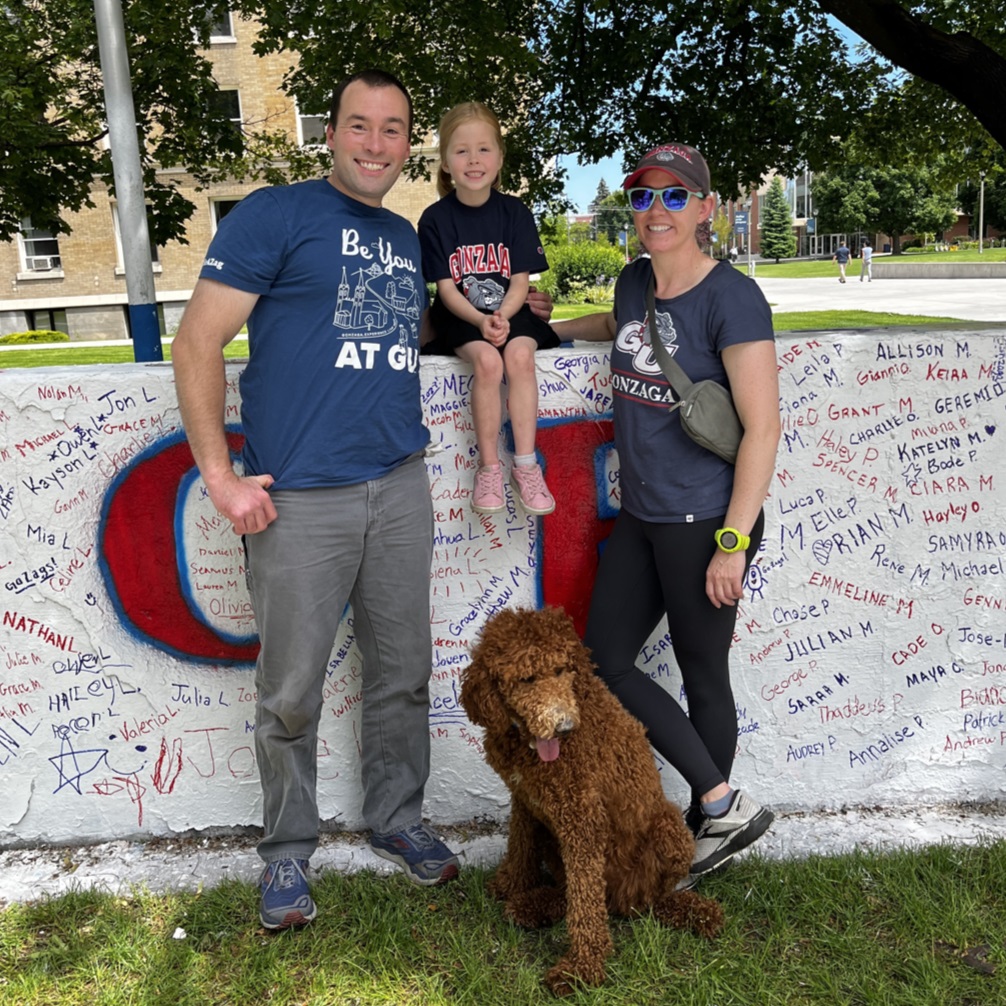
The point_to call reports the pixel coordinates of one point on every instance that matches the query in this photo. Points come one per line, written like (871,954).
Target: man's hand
(245,502)
(540,303)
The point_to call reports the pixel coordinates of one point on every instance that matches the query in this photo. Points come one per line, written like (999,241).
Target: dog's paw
(503,885)
(567,974)
(689,910)
(544,906)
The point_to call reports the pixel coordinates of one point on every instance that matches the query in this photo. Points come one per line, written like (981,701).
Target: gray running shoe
(286,899)
(721,838)
(424,859)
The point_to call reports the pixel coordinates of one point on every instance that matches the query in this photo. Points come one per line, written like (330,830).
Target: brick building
(75,283)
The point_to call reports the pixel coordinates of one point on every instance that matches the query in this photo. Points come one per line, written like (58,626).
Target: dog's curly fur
(586,796)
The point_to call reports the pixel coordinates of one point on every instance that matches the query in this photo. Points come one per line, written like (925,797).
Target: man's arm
(214,315)
(598,327)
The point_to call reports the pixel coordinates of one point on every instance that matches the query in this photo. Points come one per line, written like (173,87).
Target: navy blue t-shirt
(480,247)
(663,474)
(330,395)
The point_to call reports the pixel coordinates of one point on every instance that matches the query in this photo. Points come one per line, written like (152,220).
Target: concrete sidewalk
(965,299)
(189,863)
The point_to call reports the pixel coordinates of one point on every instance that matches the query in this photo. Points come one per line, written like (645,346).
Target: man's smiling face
(369,141)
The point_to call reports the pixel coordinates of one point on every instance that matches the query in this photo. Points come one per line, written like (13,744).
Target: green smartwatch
(729,539)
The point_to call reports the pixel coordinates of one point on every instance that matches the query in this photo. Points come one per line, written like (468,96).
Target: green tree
(756,84)
(777,238)
(553,226)
(445,53)
(614,216)
(844,205)
(893,200)
(52,113)
(969,195)
(599,197)
(722,228)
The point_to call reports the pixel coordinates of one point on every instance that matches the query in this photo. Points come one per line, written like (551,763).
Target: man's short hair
(372,78)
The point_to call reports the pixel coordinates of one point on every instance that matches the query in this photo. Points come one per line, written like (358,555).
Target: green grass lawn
(794,321)
(67,355)
(922,928)
(826,268)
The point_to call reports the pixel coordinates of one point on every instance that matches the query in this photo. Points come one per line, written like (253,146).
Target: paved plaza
(981,300)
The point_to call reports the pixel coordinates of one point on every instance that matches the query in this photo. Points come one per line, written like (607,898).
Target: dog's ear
(481,698)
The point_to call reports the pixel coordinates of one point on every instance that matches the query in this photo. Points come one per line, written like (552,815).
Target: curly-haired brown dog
(586,796)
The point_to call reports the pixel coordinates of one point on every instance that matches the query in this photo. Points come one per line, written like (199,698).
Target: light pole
(128,175)
(981,216)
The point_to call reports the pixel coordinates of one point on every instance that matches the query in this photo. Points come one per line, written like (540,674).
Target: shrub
(577,268)
(545,282)
(37,335)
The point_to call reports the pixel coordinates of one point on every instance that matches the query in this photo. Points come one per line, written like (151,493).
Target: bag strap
(679,381)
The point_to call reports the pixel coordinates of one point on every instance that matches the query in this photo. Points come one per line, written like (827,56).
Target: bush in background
(577,270)
(37,335)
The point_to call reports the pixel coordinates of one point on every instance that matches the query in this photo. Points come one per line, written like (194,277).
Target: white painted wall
(870,656)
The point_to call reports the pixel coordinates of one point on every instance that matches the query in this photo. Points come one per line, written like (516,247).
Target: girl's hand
(495,329)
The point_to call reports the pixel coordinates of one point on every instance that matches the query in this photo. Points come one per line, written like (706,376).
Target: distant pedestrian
(866,262)
(841,256)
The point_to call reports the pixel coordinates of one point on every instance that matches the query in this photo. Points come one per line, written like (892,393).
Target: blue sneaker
(286,899)
(424,859)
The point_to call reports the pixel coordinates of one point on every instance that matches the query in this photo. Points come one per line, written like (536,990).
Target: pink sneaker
(487,494)
(529,484)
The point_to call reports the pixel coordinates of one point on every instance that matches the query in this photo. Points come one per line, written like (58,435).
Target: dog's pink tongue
(548,749)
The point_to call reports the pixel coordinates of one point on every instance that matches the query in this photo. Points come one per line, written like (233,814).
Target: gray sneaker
(424,859)
(721,838)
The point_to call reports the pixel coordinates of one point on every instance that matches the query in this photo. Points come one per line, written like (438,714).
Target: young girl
(479,247)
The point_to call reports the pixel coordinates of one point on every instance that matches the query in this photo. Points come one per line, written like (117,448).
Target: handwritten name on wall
(870,652)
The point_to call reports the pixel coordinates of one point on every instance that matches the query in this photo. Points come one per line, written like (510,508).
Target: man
(841,256)
(866,262)
(334,503)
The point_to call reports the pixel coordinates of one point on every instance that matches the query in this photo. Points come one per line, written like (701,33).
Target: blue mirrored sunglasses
(674,199)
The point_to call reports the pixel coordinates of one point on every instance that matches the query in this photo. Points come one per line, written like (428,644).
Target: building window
(39,247)
(219,208)
(221,26)
(311,129)
(48,320)
(228,104)
(155,252)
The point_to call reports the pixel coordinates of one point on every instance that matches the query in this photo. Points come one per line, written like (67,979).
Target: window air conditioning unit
(42,263)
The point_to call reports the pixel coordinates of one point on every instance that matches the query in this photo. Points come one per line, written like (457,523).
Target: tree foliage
(994,206)
(777,238)
(758,85)
(613,216)
(894,201)
(52,113)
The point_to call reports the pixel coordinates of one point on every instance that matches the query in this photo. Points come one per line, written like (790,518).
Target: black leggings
(648,570)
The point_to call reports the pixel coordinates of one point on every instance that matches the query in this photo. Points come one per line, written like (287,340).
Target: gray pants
(370,544)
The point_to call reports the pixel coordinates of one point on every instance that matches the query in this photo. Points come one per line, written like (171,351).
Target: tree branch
(961,64)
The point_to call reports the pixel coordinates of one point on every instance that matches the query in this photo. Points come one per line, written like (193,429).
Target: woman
(690,523)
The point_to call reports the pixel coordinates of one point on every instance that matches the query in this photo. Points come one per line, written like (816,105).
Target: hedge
(37,335)
(574,268)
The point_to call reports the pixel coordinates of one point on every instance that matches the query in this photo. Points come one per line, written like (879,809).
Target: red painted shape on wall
(138,554)
(572,535)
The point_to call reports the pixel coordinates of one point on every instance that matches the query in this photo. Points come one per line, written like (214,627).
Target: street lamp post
(981,216)
(128,176)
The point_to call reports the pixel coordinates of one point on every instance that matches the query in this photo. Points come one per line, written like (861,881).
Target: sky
(581,183)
